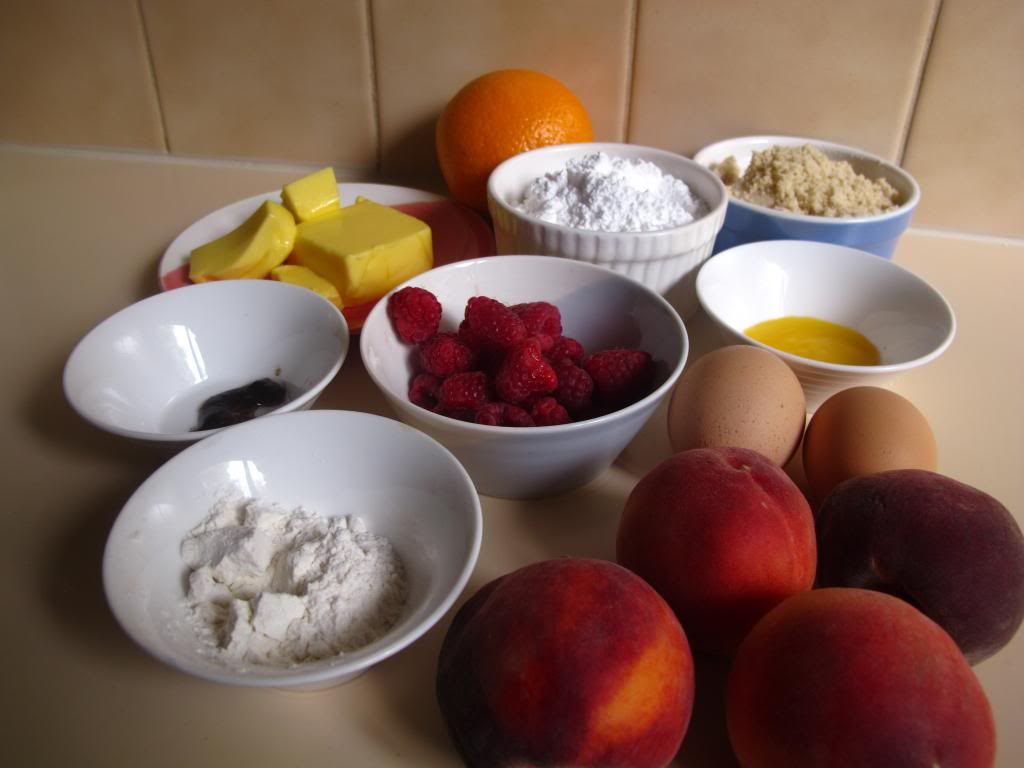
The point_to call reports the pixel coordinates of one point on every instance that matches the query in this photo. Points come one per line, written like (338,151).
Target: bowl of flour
(295,551)
(649,214)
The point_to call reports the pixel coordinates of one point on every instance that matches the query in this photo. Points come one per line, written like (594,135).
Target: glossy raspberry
(540,318)
(525,372)
(564,347)
(621,376)
(575,386)
(490,323)
(463,391)
(423,390)
(548,412)
(444,354)
(415,313)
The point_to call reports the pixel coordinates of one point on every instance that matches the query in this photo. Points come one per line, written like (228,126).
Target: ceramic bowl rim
(827,221)
(859,370)
(446,422)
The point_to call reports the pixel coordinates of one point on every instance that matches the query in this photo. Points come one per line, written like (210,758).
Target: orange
(499,115)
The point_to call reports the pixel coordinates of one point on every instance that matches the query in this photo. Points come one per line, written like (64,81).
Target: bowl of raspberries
(535,371)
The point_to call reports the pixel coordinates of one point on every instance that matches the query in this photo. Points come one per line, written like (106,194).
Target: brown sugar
(803,180)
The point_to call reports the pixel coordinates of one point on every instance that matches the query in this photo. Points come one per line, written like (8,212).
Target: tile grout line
(627,117)
(973,237)
(918,82)
(163,158)
(152,76)
(374,84)
(367,174)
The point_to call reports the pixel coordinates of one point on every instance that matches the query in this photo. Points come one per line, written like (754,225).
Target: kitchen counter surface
(82,234)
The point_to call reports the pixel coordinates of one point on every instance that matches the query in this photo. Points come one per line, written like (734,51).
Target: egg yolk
(816,339)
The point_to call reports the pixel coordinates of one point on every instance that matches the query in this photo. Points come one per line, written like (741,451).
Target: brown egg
(864,430)
(739,397)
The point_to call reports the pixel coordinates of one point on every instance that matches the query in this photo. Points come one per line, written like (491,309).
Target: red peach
(723,535)
(948,549)
(850,677)
(566,662)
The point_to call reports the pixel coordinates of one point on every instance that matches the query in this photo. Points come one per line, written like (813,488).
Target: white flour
(276,587)
(611,194)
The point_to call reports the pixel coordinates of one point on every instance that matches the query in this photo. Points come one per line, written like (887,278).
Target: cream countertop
(82,234)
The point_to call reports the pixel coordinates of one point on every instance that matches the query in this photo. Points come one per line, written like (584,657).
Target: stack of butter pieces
(350,256)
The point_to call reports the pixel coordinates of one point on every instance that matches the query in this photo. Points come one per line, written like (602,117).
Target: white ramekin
(666,260)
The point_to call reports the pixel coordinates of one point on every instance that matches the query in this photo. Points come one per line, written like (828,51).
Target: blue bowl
(748,223)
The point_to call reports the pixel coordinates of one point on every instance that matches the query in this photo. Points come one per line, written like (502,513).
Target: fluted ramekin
(665,260)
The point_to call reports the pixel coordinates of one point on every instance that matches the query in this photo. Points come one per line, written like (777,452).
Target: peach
(952,551)
(723,535)
(850,677)
(566,662)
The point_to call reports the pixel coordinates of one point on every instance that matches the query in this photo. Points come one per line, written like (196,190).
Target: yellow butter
(251,250)
(312,196)
(365,249)
(307,278)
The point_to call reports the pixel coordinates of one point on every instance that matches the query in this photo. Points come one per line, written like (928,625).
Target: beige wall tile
(76,73)
(846,72)
(279,79)
(426,51)
(966,145)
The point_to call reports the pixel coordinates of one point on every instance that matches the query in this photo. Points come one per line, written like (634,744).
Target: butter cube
(259,244)
(312,196)
(307,278)
(365,249)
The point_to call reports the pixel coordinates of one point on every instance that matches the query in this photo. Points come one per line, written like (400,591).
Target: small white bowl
(599,308)
(909,322)
(144,372)
(404,485)
(666,261)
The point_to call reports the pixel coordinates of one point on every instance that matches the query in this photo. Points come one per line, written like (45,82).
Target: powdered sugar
(276,587)
(611,194)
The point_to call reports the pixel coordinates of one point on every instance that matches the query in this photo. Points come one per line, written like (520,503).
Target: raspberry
(525,372)
(463,391)
(563,347)
(503,415)
(547,412)
(621,376)
(491,414)
(540,318)
(415,313)
(444,354)
(462,414)
(490,323)
(423,390)
(517,417)
(575,386)
(546,342)
(469,337)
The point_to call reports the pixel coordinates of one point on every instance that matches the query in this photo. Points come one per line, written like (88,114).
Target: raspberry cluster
(511,366)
